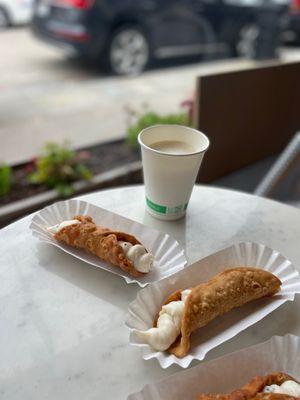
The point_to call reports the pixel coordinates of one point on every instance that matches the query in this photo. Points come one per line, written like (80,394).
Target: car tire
(4,20)
(128,51)
(246,42)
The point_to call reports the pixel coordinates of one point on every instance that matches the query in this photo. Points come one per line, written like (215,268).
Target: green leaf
(34,178)
(58,167)
(65,190)
(84,172)
(5,179)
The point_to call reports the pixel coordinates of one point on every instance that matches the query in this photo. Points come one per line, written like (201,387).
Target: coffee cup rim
(169,154)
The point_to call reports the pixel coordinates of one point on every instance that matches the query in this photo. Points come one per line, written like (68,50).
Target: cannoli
(275,386)
(118,248)
(185,311)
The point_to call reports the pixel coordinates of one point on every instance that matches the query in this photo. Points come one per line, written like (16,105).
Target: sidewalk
(44,96)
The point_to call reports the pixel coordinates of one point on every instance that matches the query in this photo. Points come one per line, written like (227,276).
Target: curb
(128,174)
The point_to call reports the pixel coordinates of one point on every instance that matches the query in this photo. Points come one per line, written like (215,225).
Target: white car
(15,12)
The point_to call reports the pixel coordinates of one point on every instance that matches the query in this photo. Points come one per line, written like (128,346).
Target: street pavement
(46,96)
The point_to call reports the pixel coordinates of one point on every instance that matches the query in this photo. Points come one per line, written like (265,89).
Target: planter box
(126,174)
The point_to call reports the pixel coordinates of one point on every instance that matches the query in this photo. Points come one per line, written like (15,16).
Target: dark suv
(125,35)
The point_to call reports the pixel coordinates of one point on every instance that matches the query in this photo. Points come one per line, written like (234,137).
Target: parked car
(292,31)
(126,35)
(15,12)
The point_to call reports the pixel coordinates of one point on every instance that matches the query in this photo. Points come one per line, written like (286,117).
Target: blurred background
(80,78)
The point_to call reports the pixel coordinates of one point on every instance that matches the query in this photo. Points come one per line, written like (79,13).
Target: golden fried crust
(254,389)
(274,396)
(100,241)
(229,289)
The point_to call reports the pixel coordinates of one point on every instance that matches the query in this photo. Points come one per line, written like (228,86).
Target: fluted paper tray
(148,302)
(168,255)
(229,372)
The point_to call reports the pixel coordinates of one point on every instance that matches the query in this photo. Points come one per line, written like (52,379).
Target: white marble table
(62,332)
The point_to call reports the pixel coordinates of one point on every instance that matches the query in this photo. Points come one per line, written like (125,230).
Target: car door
(175,24)
(212,11)
(182,28)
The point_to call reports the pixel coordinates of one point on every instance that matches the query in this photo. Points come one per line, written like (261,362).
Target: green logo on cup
(156,207)
(165,210)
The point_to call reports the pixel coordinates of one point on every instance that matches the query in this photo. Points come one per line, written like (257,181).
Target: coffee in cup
(172,147)
(171,155)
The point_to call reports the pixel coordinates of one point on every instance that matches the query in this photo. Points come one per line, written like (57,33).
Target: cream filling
(168,325)
(137,254)
(56,228)
(290,388)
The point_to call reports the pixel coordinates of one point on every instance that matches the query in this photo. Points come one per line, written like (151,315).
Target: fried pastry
(186,311)
(275,386)
(118,248)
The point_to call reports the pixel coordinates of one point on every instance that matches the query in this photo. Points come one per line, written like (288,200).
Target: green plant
(58,167)
(139,121)
(5,179)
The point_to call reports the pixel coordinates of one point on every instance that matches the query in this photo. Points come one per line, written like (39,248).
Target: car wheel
(4,21)
(129,51)
(247,39)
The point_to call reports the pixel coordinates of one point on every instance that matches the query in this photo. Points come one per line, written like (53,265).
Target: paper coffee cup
(169,178)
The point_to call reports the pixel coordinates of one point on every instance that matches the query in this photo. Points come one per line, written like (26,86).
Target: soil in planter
(99,158)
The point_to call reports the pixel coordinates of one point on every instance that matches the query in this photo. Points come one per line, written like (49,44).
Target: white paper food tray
(169,256)
(149,300)
(224,374)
